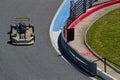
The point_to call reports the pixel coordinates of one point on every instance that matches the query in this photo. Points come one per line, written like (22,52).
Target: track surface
(39,61)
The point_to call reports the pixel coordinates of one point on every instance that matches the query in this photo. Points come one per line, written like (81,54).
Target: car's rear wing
(21,19)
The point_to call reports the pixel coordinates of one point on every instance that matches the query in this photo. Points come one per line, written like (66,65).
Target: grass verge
(104,37)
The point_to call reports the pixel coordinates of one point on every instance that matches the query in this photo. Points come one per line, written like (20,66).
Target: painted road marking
(86,53)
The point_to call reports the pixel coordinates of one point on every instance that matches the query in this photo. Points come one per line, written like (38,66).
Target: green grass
(104,37)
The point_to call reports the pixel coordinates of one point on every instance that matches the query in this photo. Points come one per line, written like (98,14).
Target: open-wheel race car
(22,33)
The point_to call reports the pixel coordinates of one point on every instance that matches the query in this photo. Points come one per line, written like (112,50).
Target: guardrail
(67,51)
(74,57)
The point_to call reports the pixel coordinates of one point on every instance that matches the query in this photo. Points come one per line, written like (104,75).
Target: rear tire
(33,29)
(34,38)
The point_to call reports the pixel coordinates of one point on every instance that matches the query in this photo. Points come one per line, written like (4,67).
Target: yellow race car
(22,34)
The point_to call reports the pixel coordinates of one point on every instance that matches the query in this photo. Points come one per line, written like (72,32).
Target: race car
(22,34)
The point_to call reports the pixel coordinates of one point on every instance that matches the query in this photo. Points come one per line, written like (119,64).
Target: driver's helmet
(22,27)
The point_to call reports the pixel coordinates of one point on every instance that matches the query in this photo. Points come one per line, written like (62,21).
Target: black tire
(13,26)
(31,25)
(33,29)
(34,38)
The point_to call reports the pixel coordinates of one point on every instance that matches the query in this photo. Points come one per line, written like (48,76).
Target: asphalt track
(39,61)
